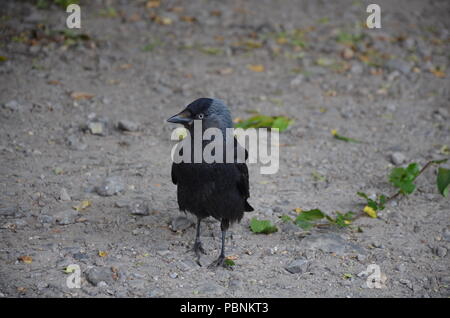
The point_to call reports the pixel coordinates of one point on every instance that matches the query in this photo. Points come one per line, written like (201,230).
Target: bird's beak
(181,118)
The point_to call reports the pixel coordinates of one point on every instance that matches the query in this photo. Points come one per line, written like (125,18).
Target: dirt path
(143,64)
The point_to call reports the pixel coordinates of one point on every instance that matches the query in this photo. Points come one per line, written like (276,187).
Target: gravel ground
(62,97)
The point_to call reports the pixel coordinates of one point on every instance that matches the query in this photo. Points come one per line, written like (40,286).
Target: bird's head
(212,113)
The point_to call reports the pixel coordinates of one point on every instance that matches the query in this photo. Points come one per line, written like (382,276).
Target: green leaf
(372,203)
(403,178)
(443,181)
(438,162)
(346,139)
(304,219)
(282,123)
(304,224)
(344,220)
(263,121)
(262,226)
(286,218)
(229,262)
(311,215)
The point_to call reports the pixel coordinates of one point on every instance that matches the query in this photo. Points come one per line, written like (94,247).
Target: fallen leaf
(225,71)
(58,171)
(370,211)
(54,82)
(163,20)
(188,19)
(81,95)
(153,4)
(125,66)
(256,67)
(26,259)
(437,72)
(82,205)
(298,210)
(102,253)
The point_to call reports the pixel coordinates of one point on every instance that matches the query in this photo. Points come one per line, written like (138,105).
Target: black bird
(213,189)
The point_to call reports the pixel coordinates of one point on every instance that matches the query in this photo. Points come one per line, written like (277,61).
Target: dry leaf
(54,82)
(437,73)
(232,257)
(125,66)
(370,212)
(298,210)
(153,4)
(163,20)
(134,17)
(102,253)
(225,71)
(188,19)
(256,67)
(82,205)
(26,259)
(81,95)
(176,9)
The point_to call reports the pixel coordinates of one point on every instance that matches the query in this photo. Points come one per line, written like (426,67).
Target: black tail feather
(248,207)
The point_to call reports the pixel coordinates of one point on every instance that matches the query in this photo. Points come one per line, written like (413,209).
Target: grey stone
(277,209)
(8,211)
(173,275)
(96,128)
(64,195)
(96,275)
(298,80)
(397,158)
(41,285)
(65,217)
(298,266)
(235,284)
(401,268)
(211,289)
(80,256)
(446,234)
(361,257)
(74,143)
(12,105)
(187,264)
(155,293)
(180,223)
(440,251)
(110,186)
(357,68)
(44,218)
(122,204)
(139,208)
(290,227)
(330,243)
(443,112)
(399,65)
(127,125)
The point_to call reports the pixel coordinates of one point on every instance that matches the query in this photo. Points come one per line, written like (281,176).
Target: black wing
(242,183)
(174,173)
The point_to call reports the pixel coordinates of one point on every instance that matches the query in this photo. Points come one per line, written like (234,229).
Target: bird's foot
(198,248)
(219,262)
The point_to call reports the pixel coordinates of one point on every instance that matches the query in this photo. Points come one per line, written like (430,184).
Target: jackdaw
(217,189)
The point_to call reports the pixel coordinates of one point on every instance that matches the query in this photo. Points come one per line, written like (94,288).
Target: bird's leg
(224,224)
(198,248)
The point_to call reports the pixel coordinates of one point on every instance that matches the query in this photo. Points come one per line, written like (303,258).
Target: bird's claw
(198,250)
(219,262)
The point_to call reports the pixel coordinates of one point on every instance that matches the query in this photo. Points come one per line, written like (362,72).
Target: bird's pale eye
(200,116)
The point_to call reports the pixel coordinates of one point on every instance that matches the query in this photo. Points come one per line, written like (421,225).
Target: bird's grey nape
(221,111)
